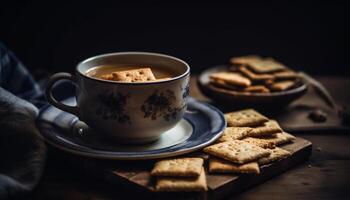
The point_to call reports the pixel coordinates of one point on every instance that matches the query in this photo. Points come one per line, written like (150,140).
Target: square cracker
(282,85)
(185,184)
(253,76)
(285,75)
(223,84)
(270,141)
(223,166)
(280,138)
(248,117)
(275,154)
(266,65)
(244,60)
(269,127)
(257,89)
(263,143)
(178,167)
(234,133)
(237,151)
(134,75)
(231,78)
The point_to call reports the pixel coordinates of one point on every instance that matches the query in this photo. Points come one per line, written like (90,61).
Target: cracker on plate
(222,166)
(282,85)
(253,76)
(178,167)
(237,151)
(275,154)
(185,184)
(248,117)
(266,65)
(231,78)
(257,89)
(244,60)
(223,84)
(285,75)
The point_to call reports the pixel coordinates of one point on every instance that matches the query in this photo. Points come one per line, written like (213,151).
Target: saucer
(201,125)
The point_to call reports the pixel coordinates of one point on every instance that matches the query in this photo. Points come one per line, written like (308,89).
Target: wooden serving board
(135,177)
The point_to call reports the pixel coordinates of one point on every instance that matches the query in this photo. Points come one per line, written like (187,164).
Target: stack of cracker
(255,74)
(250,140)
(181,174)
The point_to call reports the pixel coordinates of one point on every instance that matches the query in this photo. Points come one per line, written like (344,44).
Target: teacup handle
(48,92)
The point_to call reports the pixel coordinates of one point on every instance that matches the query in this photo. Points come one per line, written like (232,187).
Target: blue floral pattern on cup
(112,106)
(160,104)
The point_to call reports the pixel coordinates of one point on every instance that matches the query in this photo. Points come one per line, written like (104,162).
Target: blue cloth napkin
(22,149)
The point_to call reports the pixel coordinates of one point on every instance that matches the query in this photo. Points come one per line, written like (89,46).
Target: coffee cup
(127,112)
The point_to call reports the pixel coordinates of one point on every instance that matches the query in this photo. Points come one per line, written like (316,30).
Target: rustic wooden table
(325,176)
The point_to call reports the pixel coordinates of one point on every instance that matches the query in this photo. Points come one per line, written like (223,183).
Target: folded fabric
(22,149)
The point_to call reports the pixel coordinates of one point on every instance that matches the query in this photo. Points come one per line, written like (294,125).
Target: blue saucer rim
(182,148)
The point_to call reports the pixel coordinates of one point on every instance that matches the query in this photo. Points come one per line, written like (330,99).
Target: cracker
(135,75)
(237,151)
(282,85)
(268,128)
(244,60)
(280,138)
(222,166)
(270,141)
(248,117)
(275,154)
(267,65)
(223,84)
(263,143)
(253,76)
(163,79)
(285,75)
(178,167)
(257,89)
(186,184)
(231,78)
(234,133)
(107,76)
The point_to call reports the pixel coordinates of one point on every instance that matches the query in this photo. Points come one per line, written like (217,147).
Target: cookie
(268,128)
(267,65)
(253,76)
(285,75)
(263,143)
(257,89)
(234,133)
(243,118)
(135,75)
(231,78)
(185,184)
(237,151)
(275,154)
(282,85)
(222,166)
(178,167)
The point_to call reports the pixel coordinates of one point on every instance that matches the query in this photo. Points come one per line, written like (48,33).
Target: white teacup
(137,112)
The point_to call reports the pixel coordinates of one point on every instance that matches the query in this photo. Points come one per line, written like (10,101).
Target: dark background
(55,36)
